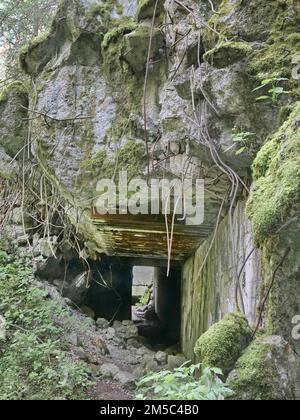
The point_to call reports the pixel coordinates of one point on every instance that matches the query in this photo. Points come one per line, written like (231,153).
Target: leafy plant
(244,140)
(184,383)
(33,363)
(274,90)
(145,298)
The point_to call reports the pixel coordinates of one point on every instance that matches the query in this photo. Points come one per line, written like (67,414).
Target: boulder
(102,323)
(88,311)
(109,370)
(268,370)
(224,342)
(126,379)
(78,288)
(161,357)
(175,361)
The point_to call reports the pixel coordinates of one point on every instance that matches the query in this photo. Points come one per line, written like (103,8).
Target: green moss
(277,179)
(224,342)
(17,88)
(132,157)
(277,32)
(26,49)
(118,32)
(276,58)
(256,376)
(227,53)
(145,9)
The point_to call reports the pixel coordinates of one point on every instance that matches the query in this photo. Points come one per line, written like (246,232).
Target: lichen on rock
(224,342)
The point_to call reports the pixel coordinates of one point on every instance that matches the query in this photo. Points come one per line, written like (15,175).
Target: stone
(127,323)
(132,360)
(110,333)
(102,323)
(13,100)
(133,342)
(224,342)
(2,329)
(161,357)
(47,246)
(88,311)
(109,370)
(268,370)
(175,361)
(100,345)
(72,339)
(82,354)
(126,379)
(151,366)
(136,45)
(78,288)
(8,170)
(141,351)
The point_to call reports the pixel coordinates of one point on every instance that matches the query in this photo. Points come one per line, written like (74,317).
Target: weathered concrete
(210,294)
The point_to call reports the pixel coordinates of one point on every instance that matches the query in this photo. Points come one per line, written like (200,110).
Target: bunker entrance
(156,305)
(145,295)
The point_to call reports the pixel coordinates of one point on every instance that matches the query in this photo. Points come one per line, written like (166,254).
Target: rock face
(268,370)
(88,120)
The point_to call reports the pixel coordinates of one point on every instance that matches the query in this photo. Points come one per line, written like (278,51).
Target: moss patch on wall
(277,179)
(224,342)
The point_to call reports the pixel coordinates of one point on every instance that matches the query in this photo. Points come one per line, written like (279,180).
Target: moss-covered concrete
(224,342)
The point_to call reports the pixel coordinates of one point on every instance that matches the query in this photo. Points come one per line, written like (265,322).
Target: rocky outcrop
(202,89)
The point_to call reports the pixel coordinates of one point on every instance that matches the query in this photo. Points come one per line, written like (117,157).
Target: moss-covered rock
(227,53)
(273,28)
(276,173)
(146,9)
(266,371)
(224,342)
(13,104)
(18,89)
(136,46)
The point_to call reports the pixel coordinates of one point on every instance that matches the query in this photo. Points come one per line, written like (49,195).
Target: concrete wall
(207,297)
